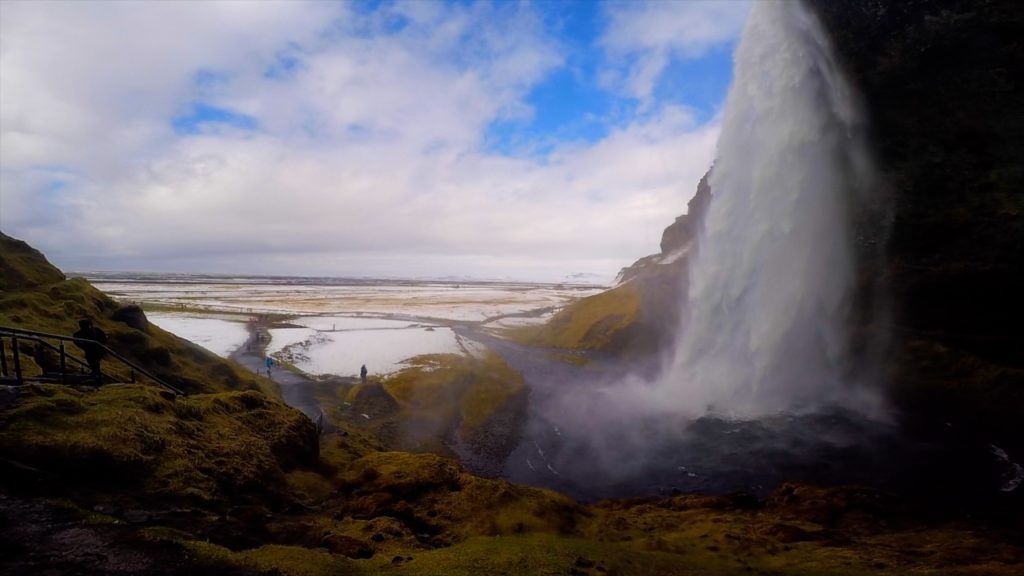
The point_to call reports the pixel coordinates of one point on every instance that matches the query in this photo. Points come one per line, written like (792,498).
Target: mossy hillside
(23,267)
(595,322)
(269,559)
(466,392)
(420,514)
(35,296)
(434,497)
(427,508)
(425,511)
(435,401)
(637,316)
(138,440)
(542,554)
(641,314)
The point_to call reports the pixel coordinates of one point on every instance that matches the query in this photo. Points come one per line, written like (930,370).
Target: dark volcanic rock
(942,86)
(685,228)
(675,239)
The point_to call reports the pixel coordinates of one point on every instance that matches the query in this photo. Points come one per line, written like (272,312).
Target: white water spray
(770,288)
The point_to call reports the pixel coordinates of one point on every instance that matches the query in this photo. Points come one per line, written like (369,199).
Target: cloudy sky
(500,140)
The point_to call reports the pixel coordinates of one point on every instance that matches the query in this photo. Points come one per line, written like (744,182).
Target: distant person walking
(94,351)
(362,374)
(270,364)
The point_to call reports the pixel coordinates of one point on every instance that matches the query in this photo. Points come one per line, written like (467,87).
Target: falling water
(770,288)
(762,386)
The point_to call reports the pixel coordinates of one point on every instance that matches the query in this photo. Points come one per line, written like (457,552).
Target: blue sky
(522,140)
(572,103)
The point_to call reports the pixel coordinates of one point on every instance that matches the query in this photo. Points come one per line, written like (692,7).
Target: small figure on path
(270,364)
(362,374)
(94,351)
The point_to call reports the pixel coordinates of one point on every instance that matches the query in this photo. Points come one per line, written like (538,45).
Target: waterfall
(765,327)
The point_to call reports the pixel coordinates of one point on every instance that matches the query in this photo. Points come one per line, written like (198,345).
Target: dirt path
(296,390)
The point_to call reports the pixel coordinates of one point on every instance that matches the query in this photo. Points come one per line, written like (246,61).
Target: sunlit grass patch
(593,323)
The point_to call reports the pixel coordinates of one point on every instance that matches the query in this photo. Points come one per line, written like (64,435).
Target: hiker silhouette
(94,350)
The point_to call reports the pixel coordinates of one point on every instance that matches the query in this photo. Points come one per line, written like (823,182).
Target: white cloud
(650,34)
(368,156)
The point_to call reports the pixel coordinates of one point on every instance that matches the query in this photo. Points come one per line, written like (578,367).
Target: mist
(761,378)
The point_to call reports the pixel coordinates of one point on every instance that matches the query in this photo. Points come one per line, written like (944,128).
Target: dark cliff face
(685,228)
(942,85)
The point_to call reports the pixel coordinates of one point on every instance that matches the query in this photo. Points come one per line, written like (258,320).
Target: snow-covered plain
(335,326)
(473,302)
(342,353)
(222,337)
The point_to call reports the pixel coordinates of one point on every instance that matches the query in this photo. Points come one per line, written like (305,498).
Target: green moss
(492,386)
(200,448)
(22,267)
(539,555)
(434,495)
(595,322)
(35,296)
(310,487)
(272,559)
(477,399)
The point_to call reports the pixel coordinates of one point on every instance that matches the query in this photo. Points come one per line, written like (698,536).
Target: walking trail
(296,390)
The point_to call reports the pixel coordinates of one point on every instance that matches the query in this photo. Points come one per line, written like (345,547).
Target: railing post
(7,332)
(3,358)
(63,366)
(17,360)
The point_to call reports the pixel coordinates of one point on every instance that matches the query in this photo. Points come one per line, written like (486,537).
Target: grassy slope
(638,316)
(231,437)
(593,323)
(462,393)
(34,295)
(205,448)
(238,456)
(419,514)
(641,315)
(437,401)
(131,447)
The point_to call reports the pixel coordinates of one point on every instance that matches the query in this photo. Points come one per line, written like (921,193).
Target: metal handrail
(35,336)
(62,353)
(67,354)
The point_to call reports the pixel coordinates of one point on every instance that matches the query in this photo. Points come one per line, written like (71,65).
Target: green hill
(34,295)
(131,479)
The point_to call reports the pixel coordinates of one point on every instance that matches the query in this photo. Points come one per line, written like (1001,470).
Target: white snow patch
(222,337)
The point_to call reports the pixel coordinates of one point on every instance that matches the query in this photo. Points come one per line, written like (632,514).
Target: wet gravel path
(296,390)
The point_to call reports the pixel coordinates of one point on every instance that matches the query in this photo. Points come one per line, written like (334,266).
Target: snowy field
(217,335)
(335,326)
(342,352)
(473,302)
